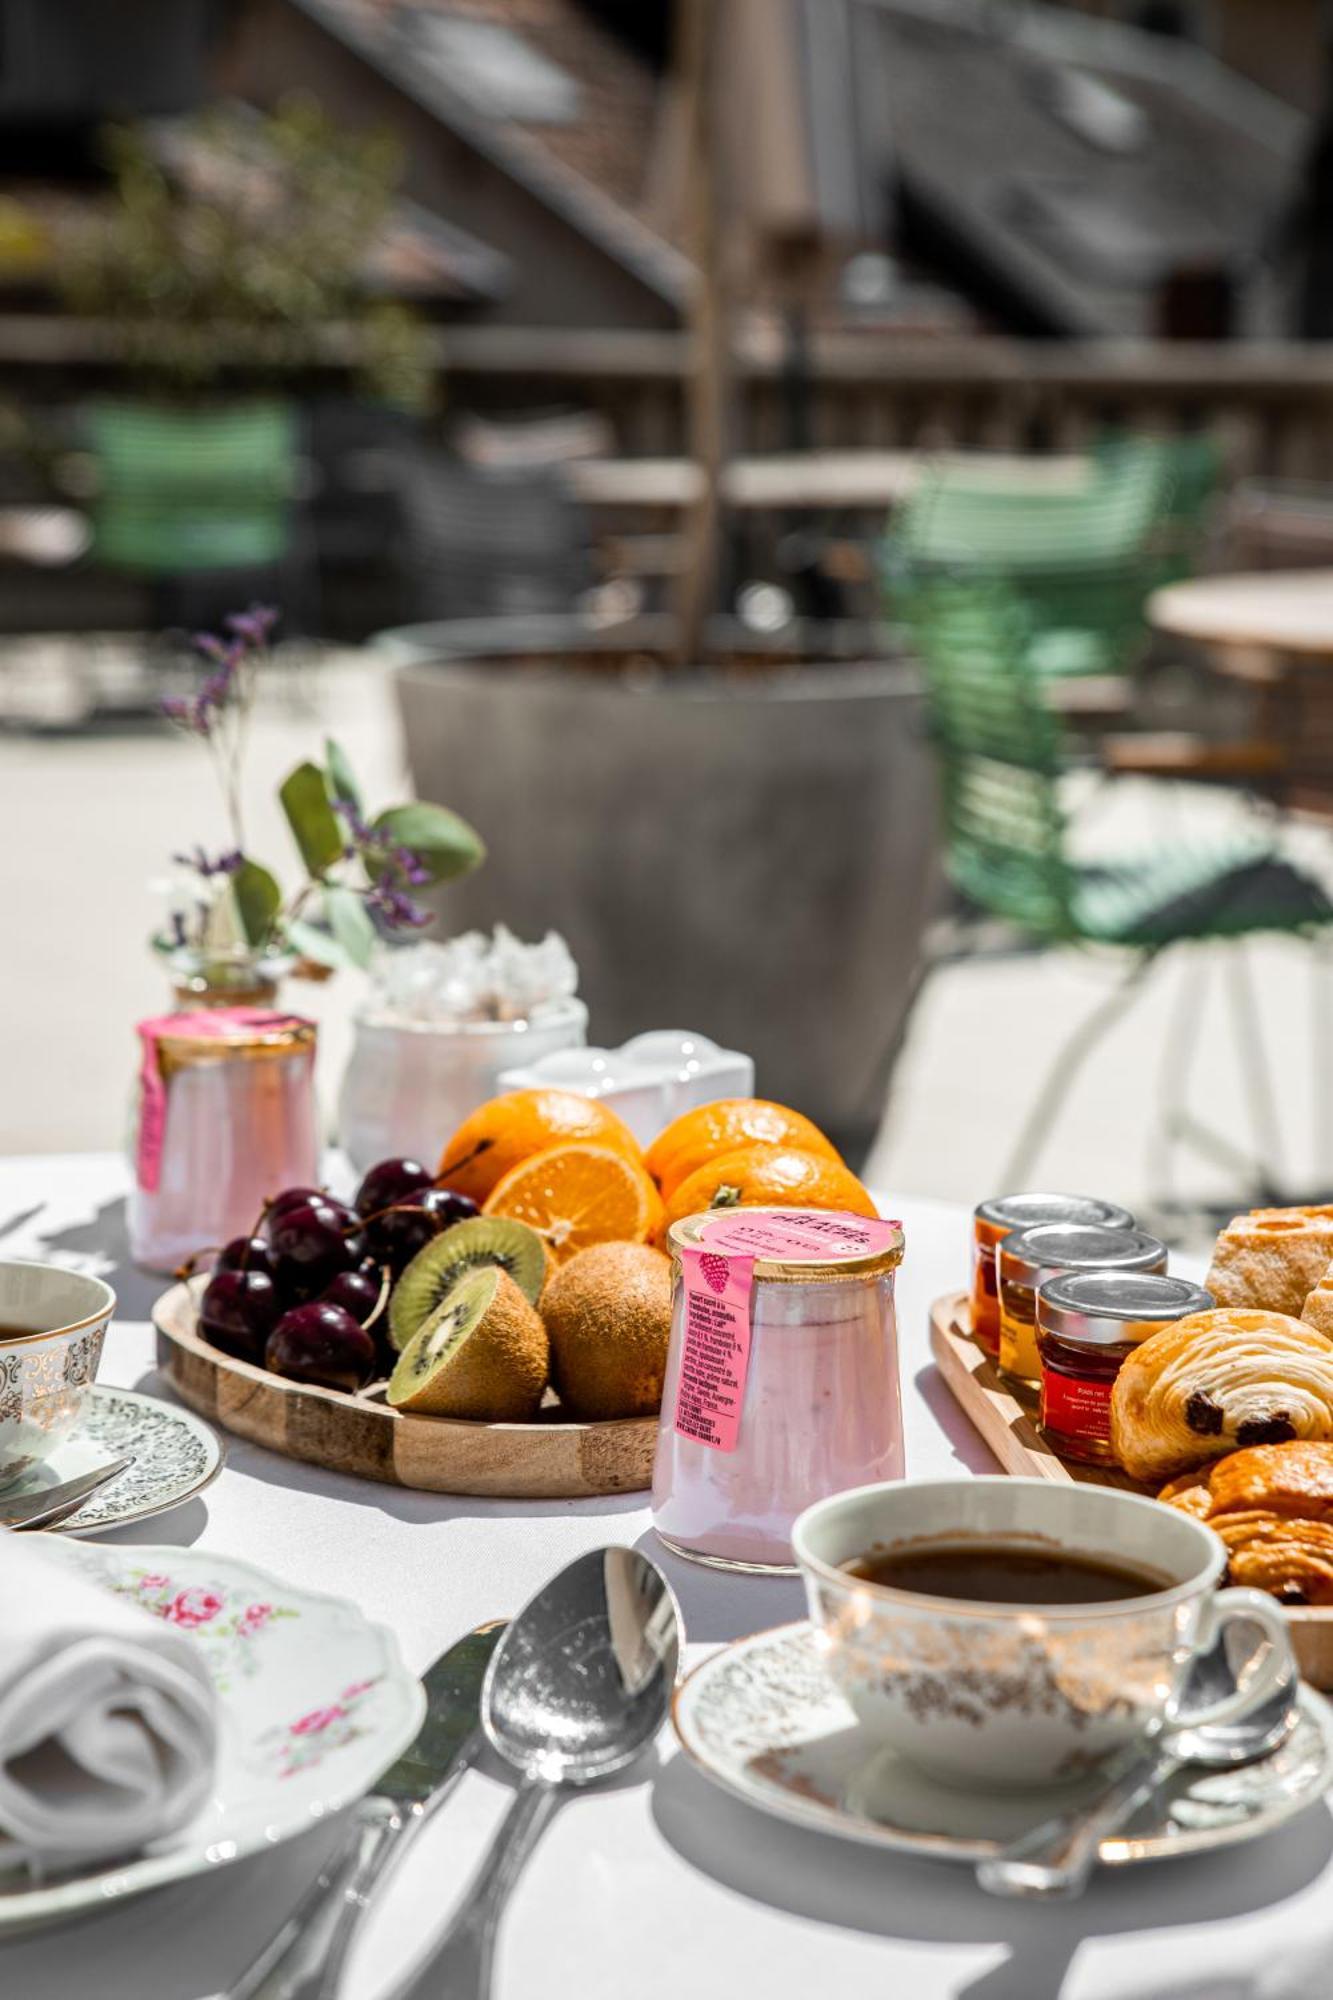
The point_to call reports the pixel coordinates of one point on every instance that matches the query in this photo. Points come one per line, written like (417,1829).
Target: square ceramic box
(649,1080)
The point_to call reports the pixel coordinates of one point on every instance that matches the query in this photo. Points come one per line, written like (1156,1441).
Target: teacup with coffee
(52,1325)
(1013,1632)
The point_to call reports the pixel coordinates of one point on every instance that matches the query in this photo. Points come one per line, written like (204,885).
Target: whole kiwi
(608,1315)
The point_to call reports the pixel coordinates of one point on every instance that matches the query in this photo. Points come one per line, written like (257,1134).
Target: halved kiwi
(482,1355)
(469,1246)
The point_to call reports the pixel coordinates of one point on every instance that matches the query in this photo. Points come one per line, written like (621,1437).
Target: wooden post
(698,40)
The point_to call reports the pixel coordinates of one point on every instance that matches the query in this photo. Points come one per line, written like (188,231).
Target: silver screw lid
(1024,1211)
(1030,1256)
(1115,1308)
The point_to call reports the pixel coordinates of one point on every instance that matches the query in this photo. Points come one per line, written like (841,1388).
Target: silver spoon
(52,1504)
(577,1688)
(1056,1858)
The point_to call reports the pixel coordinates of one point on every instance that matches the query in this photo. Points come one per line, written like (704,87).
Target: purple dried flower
(208,866)
(398,911)
(252,626)
(209,645)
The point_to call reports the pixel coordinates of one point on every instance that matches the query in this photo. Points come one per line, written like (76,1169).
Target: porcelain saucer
(315,1701)
(175,1455)
(762,1719)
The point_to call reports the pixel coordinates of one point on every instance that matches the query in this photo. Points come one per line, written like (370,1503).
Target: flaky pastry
(1215,1382)
(1272,1258)
(1272,1506)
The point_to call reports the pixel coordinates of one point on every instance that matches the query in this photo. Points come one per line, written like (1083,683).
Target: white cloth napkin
(108,1719)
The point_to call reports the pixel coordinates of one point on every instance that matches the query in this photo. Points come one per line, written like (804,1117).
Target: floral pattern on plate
(316,1703)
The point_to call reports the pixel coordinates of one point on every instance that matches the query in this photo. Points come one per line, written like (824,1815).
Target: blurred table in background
(1273,631)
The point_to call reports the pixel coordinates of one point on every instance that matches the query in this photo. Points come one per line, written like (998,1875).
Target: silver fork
(56,1503)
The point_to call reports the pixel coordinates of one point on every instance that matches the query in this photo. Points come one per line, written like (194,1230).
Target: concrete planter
(750,853)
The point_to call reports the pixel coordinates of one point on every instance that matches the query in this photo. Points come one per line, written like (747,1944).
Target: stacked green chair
(1078,560)
(1004,765)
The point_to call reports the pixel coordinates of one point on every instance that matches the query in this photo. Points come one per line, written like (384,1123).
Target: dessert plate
(763,1719)
(316,1702)
(174,1457)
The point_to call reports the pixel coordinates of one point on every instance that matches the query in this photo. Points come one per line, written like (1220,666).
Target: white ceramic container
(648,1080)
(408,1085)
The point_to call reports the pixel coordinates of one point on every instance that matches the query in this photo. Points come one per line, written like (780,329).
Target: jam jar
(781,1377)
(1088,1322)
(1028,1257)
(993,1220)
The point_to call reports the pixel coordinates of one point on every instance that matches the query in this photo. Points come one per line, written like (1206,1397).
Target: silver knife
(305,1960)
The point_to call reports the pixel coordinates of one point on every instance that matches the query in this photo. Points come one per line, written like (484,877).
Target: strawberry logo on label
(715,1273)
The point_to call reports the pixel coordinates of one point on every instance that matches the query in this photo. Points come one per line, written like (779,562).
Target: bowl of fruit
(497,1324)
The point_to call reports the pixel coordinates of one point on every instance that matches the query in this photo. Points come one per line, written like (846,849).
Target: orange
(783,1176)
(711,1130)
(577,1195)
(501,1133)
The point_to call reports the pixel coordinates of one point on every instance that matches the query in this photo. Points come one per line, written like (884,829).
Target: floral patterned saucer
(316,1703)
(175,1455)
(763,1720)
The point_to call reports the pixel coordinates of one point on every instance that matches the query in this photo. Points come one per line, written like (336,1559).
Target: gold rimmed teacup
(52,1325)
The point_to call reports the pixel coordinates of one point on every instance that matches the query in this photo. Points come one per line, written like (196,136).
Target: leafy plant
(359,872)
(238,242)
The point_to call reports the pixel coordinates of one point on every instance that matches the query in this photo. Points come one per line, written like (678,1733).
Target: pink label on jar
(798,1235)
(716,1352)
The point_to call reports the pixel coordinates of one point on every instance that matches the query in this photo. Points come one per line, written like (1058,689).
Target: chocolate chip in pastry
(1272,1258)
(1218,1381)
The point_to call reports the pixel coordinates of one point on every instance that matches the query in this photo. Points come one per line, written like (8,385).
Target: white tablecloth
(661,1888)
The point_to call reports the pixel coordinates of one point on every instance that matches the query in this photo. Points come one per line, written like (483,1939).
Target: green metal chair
(1004,768)
(1078,560)
(192,490)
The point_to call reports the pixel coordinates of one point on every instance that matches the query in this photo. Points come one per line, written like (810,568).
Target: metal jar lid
(1115,1308)
(1023,1211)
(1031,1256)
(794,1246)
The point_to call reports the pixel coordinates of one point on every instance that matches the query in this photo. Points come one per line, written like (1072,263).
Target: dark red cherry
(357,1292)
(245,1253)
(395,1237)
(238,1311)
(322,1344)
(391,1181)
(309,1249)
(289,1198)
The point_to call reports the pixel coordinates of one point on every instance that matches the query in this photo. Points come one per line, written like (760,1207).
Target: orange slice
(576,1195)
(503,1132)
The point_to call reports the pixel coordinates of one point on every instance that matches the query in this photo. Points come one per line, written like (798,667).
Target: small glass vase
(229,977)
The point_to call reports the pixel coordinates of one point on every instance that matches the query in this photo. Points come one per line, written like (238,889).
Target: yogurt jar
(781,1377)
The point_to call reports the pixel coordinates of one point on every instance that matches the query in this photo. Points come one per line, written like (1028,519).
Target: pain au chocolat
(1272,1258)
(1273,1508)
(1218,1381)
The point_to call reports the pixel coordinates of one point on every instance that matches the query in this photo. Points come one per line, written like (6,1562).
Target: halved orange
(506,1130)
(777,1176)
(724,1126)
(576,1195)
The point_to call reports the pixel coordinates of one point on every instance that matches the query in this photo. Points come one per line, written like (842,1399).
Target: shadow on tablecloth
(887,1895)
(103,1245)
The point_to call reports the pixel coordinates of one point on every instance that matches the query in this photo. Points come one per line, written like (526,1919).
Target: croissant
(1202,1387)
(1318,1308)
(1272,1258)
(1272,1506)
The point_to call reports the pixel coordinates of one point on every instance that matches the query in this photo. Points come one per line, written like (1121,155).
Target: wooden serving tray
(546,1460)
(1007,1420)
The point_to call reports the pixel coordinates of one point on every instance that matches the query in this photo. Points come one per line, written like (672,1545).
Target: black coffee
(1005,1573)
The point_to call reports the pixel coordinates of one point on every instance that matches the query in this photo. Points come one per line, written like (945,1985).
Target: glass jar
(781,1377)
(1088,1323)
(993,1220)
(1029,1257)
(226,1119)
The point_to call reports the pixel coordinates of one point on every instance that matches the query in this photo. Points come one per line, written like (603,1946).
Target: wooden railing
(1271,403)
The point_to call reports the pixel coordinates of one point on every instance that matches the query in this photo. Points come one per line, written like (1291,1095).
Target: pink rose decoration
(154,1583)
(317,1719)
(193,1607)
(253,1619)
(357,1687)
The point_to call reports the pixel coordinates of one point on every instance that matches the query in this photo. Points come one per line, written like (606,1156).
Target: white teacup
(46,1367)
(1012,1695)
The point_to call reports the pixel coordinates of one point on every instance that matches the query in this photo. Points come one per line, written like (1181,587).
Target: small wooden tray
(1007,1420)
(547,1460)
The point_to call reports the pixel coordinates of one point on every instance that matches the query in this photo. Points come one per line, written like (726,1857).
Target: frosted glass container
(748,1440)
(649,1080)
(226,1119)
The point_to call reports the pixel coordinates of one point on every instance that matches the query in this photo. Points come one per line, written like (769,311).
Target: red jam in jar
(993,1220)
(1088,1323)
